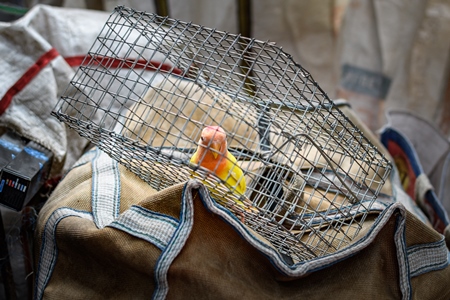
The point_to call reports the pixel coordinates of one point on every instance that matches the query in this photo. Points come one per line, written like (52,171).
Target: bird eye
(202,138)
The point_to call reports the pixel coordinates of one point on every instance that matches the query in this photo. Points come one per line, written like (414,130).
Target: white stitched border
(105,194)
(147,225)
(399,239)
(176,243)
(427,257)
(49,251)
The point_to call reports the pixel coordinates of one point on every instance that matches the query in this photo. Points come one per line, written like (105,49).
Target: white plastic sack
(35,73)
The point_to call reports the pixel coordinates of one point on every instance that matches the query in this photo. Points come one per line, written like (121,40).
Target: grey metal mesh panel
(150,84)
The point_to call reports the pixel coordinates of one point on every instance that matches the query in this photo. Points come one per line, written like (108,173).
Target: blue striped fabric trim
(49,250)
(176,243)
(403,266)
(273,255)
(147,225)
(105,194)
(427,257)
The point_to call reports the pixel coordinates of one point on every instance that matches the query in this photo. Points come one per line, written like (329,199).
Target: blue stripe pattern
(175,245)
(147,225)
(427,257)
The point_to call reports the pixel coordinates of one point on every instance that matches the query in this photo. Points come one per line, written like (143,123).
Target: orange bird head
(215,138)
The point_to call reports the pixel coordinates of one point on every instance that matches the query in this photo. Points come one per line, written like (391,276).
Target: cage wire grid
(150,84)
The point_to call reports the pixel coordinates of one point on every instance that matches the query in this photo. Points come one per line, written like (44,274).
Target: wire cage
(150,85)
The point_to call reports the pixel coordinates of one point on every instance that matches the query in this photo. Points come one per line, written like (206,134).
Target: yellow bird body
(212,153)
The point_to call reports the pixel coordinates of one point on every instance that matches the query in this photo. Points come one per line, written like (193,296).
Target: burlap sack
(104,234)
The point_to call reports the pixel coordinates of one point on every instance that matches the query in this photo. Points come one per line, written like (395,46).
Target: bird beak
(215,146)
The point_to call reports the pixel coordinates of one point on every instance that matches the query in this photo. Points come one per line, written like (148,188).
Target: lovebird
(212,154)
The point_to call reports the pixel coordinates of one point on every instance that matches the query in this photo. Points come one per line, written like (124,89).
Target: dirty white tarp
(396,55)
(39,54)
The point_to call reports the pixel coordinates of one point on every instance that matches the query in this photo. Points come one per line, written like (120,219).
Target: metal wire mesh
(150,84)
